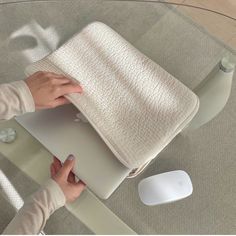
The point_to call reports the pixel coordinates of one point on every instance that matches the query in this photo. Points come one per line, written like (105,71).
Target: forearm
(32,217)
(15,99)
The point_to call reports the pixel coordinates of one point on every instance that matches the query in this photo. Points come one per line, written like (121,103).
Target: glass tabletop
(30,31)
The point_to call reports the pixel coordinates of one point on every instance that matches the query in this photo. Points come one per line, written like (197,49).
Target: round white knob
(7,135)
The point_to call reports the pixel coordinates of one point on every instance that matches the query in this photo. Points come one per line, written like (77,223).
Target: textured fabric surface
(134,104)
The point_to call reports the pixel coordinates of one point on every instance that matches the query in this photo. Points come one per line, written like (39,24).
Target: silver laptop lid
(60,131)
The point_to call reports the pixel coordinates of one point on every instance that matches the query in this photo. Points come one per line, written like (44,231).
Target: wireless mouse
(165,188)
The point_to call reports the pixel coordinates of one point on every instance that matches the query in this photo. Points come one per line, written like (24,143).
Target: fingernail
(70,157)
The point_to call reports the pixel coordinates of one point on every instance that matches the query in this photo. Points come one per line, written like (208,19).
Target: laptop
(62,133)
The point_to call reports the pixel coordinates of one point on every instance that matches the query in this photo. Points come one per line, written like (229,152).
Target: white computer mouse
(165,188)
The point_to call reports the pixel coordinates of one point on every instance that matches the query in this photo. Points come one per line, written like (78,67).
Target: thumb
(67,166)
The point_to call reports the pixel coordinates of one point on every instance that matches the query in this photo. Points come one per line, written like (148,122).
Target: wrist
(56,194)
(25,95)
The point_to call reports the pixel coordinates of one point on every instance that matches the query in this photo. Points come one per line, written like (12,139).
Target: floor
(185,51)
(219,26)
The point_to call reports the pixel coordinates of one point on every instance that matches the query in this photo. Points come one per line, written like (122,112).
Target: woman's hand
(48,89)
(66,179)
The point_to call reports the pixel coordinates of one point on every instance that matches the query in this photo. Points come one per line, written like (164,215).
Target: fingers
(52,170)
(49,74)
(61,80)
(57,164)
(48,89)
(56,79)
(81,184)
(67,167)
(69,88)
(71,178)
(66,179)
(56,167)
(79,187)
(59,102)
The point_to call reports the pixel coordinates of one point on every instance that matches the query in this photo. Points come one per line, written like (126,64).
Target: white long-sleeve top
(16,99)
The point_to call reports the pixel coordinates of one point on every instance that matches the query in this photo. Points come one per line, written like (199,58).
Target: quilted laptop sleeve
(133,103)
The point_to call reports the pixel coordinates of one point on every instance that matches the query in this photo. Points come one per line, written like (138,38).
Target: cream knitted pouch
(134,104)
